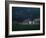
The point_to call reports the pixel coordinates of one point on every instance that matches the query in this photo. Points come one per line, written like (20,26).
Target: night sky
(21,13)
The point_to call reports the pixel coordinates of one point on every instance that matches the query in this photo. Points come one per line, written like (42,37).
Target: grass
(18,27)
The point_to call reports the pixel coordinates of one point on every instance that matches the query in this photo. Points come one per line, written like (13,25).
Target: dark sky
(22,13)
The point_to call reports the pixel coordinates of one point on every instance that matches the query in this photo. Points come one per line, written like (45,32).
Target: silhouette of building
(36,21)
(27,21)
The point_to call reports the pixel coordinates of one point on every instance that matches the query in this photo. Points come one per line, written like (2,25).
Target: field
(20,27)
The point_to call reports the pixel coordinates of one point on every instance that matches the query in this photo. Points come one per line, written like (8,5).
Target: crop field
(21,27)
